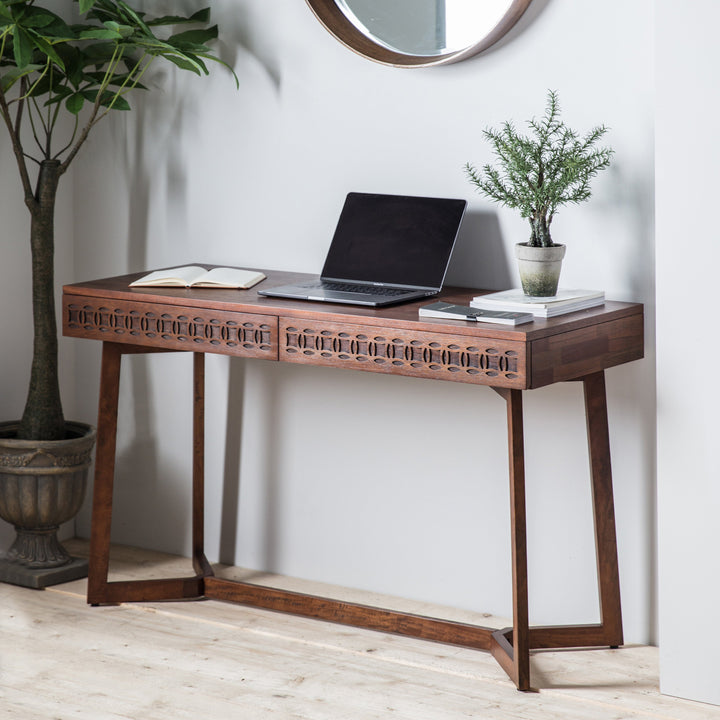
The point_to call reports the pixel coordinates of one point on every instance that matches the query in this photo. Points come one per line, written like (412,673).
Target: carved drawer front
(199,330)
(460,358)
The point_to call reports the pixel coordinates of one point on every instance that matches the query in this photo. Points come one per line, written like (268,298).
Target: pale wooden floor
(60,659)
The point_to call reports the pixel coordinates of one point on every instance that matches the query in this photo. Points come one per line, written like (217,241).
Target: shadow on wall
(479,259)
(148,144)
(244,33)
(268,439)
(231,468)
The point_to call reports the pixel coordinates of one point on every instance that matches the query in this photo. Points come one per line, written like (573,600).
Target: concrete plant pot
(539,268)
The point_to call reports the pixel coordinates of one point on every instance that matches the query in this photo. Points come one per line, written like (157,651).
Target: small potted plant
(50,67)
(537,175)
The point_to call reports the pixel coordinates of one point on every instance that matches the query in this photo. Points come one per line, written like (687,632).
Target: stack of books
(566,301)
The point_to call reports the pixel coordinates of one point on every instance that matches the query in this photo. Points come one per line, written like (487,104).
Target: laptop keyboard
(361,289)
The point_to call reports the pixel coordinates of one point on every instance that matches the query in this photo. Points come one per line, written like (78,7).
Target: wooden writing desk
(577,346)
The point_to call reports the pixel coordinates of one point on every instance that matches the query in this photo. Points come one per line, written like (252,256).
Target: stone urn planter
(42,485)
(539,268)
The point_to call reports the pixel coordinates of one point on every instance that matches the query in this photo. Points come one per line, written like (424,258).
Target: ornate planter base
(42,485)
(39,578)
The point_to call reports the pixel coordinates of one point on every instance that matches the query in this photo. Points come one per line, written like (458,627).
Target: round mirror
(418,33)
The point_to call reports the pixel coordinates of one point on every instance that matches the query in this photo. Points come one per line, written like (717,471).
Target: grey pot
(42,485)
(539,268)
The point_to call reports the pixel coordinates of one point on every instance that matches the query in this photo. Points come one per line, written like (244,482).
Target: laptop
(386,249)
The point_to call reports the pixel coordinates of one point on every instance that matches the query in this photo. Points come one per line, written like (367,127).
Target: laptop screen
(394,239)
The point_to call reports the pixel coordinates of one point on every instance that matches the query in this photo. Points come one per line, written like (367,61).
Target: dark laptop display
(386,249)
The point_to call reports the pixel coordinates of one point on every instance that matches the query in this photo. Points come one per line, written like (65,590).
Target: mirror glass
(428,28)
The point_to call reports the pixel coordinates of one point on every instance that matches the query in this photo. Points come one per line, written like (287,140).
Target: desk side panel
(438,356)
(171,327)
(570,355)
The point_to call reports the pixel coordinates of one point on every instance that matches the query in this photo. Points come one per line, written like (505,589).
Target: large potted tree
(82,69)
(537,174)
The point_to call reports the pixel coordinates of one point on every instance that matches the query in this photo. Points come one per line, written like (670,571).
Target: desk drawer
(478,360)
(199,330)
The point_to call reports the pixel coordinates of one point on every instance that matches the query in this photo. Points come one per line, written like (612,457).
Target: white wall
(200,172)
(688,255)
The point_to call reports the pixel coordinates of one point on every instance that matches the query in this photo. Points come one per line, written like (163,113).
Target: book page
(181,276)
(229,277)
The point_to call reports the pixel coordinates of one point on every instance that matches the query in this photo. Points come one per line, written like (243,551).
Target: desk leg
(104,474)
(99,589)
(200,563)
(511,647)
(609,631)
(603,508)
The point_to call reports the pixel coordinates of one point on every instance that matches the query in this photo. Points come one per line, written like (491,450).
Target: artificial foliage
(84,69)
(538,173)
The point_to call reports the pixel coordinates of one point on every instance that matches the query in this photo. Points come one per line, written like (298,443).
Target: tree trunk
(43,416)
(540,236)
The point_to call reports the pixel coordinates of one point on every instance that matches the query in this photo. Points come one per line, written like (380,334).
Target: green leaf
(14,74)
(106,99)
(121,30)
(37,18)
(201,16)
(45,47)
(100,34)
(184,63)
(5,14)
(74,103)
(134,16)
(58,31)
(71,56)
(22,47)
(58,93)
(40,87)
(97,78)
(194,37)
(98,53)
(192,57)
(86,5)
(118,103)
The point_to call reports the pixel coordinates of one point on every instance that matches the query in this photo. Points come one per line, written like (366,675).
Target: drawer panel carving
(461,358)
(201,330)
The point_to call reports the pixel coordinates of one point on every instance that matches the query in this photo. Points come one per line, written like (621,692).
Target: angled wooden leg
(99,589)
(609,630)
(104,473)
(603,508)
(200,563)
(511,647)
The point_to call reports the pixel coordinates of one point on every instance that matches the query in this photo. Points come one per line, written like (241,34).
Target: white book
(518,298)
(565,301)
(196,276)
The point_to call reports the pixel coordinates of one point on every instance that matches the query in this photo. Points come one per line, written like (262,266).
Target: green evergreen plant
(539,173)
(86,69)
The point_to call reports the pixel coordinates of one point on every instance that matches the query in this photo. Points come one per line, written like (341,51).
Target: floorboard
(60,659)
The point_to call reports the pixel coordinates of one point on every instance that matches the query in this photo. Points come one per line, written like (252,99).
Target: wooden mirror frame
(335,22)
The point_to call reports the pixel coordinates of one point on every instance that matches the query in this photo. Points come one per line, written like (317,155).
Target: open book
(196,276)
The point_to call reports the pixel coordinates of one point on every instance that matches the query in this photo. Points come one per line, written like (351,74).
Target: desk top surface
(398,316)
